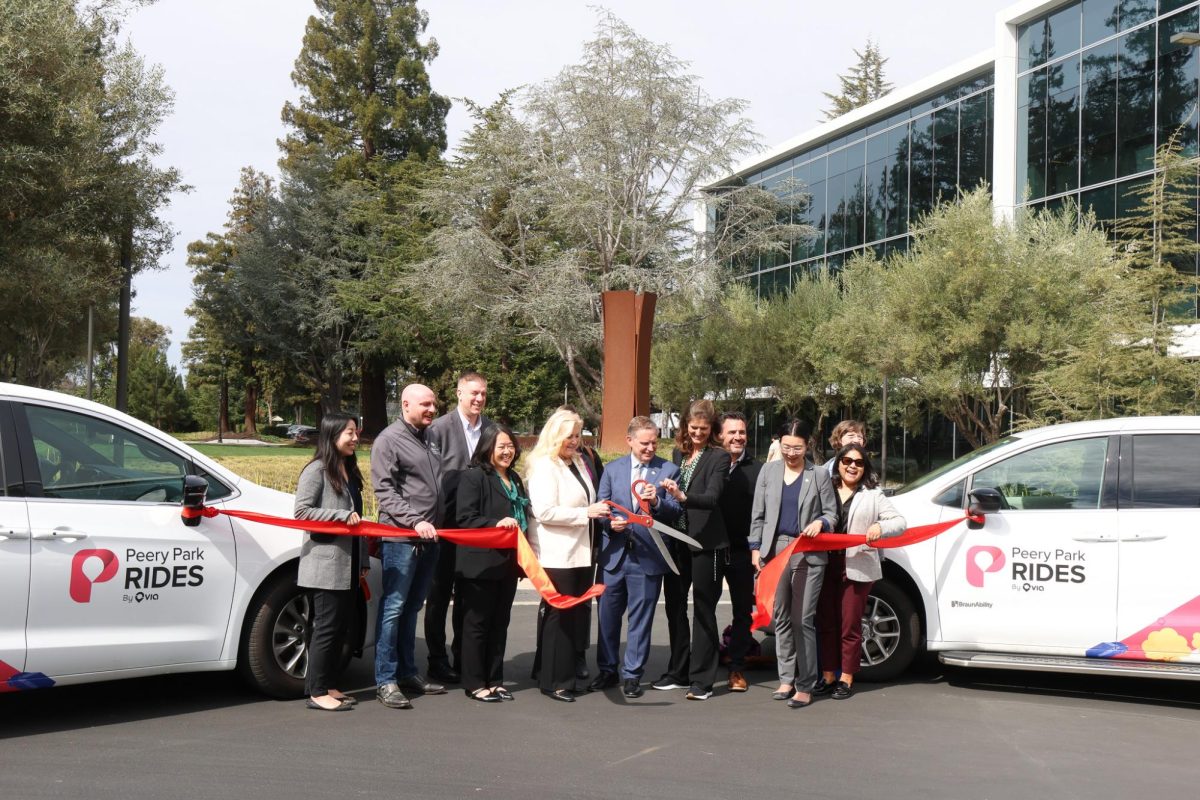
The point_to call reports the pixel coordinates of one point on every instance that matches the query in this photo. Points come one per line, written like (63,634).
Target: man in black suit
(455,435)
(736,503)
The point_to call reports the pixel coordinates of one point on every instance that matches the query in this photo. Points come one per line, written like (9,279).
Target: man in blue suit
(630,561)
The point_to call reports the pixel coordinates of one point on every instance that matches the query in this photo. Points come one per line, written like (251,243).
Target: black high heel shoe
(561,695)
(486,697)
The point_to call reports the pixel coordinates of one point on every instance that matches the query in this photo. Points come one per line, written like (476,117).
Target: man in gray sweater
(406,473)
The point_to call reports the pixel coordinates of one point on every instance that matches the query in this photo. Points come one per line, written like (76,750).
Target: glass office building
(1070,104)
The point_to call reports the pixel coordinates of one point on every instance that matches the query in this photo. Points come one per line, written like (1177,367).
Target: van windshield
(956,463)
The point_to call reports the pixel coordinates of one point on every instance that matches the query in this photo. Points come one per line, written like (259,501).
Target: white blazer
(560,531)
(868,507)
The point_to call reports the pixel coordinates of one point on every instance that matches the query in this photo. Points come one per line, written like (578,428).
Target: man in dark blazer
(455,435)
(736,503)
(630,561)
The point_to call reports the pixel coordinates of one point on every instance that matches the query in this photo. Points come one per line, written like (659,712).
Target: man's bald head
(418,405)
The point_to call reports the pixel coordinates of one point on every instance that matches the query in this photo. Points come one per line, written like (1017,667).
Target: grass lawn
(220,451)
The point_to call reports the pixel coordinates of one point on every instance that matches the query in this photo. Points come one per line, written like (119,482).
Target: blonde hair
(557,430)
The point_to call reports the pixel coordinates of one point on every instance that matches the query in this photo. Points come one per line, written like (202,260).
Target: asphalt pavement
(961,734)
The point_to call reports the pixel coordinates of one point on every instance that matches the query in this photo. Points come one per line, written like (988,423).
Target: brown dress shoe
(737,682)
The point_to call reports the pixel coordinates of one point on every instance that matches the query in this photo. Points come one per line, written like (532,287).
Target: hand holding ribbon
(769,575)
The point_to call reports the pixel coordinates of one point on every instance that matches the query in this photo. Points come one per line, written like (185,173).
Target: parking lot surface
(936,734)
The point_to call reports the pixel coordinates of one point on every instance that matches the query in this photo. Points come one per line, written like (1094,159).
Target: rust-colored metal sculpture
(628,329)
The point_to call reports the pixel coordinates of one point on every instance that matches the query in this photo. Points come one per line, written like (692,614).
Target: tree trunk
(373,397)
(223,405)
(250,408)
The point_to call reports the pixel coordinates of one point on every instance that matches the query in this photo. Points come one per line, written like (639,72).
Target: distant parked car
(305,434)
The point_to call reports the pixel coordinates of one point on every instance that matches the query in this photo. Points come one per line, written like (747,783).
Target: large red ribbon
(768,577)
(499,538)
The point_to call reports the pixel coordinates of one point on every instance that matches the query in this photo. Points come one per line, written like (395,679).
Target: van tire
(274,651)
(891,633)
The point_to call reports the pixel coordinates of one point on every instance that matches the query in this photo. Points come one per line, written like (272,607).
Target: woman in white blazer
(863,509)
(563,501)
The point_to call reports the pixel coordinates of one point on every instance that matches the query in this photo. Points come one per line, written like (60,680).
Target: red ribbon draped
(499,538)
(768,577)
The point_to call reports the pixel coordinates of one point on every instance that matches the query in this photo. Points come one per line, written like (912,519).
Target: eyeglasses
(787,448)
(847,461)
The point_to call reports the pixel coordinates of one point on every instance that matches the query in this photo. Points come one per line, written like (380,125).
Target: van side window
(81,457)
(1063,475)
(1166,471)
(953,496)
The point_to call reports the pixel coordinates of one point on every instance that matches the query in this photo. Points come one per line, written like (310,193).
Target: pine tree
(366,90)
(866,82)
(368,106)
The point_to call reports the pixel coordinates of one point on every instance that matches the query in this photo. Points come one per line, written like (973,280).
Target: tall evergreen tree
(224,340)
(865,82)
(367,106)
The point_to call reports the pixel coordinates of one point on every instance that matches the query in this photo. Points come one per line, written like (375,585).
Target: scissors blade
(662,549)
(680,535)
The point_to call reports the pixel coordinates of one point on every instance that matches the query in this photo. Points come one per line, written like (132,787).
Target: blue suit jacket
(615,485)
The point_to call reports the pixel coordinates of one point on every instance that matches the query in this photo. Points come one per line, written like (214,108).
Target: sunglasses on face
(847,461)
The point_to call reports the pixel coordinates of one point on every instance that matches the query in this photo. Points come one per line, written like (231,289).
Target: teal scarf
(518,501)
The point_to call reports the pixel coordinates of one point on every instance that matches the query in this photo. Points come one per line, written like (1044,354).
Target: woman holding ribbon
(703,469)
(490,495)
(563,500)
(862,509)
(330,489)
(793,499)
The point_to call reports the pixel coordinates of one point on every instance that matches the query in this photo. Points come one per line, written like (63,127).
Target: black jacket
(705,523)
(481,504)
(738,499)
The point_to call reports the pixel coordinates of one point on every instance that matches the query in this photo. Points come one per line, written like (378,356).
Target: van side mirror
(983,502)
(195,489)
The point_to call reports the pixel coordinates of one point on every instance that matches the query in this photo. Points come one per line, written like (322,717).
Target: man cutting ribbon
(632,559)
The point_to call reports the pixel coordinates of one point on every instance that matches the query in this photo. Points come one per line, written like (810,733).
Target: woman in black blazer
(490,495)
(703,470)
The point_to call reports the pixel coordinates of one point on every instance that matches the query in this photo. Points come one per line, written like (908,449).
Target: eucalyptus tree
(585,183)
(79,112)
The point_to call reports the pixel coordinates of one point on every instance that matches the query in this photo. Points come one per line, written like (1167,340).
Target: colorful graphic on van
(1169,638)
(13,681)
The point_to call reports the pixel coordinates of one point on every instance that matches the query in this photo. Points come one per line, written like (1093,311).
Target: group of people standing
(723,514)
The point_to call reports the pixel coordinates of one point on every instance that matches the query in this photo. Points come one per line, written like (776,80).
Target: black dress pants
(441,592)
(564,630)
(708,573)
(675,598)
(487,608)
(739,574)
(331,609)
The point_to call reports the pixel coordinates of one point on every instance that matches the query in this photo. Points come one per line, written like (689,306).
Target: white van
(100,578)
(1085,561)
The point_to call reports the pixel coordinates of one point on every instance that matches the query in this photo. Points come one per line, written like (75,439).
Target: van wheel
(274,652)
(891,633)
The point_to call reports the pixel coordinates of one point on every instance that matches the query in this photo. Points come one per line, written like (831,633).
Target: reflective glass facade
(1100,87)
(1095,86)
(866,185)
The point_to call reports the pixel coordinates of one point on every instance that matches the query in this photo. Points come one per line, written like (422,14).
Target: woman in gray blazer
(330,489)
(793,498)
(850,574)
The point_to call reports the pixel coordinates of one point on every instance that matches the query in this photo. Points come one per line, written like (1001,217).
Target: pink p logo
(81,584)
(975,573)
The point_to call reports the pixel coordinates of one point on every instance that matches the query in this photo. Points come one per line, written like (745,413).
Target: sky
(229,63)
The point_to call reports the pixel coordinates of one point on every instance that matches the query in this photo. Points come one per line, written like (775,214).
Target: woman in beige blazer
(563,500)
(863,509)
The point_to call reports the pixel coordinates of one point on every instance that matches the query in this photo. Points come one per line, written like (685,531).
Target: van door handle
(14,535)
(59,534)
(1095,539)
(1145,537)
